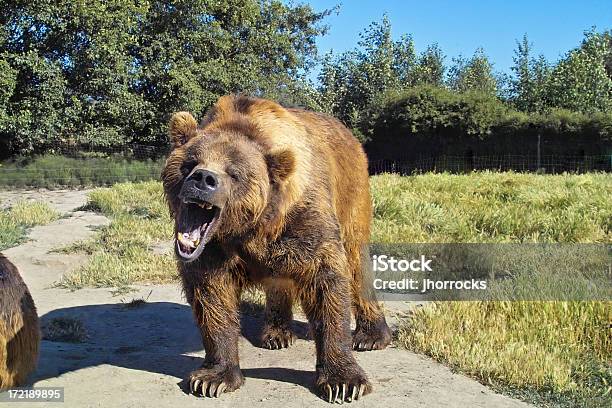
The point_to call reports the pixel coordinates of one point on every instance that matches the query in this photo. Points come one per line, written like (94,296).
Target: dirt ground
(136,357)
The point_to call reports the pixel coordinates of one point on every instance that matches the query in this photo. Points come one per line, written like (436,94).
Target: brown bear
(19,331)
(278,198)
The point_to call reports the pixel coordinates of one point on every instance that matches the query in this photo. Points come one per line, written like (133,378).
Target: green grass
(54,171)
(492,207)
(550,353)
(553,353)
(121,253)
(15,221)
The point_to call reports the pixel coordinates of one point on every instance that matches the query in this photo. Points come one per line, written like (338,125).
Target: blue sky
(461,26)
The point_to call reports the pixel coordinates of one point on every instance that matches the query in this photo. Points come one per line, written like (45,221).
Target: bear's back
(329,160)
(340,157)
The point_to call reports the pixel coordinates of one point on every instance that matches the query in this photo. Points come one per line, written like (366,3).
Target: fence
(519,163)
(69,167)
(82,166)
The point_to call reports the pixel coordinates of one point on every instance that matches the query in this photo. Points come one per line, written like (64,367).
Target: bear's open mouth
(195,226)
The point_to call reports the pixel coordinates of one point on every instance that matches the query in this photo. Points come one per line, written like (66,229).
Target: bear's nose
(204,179)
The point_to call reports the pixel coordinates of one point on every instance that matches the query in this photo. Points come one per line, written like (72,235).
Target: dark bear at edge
(278,199)
(19,328)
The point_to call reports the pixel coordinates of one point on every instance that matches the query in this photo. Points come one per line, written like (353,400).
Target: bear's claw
(208,389)
(377,338)
(277,338)
(339,393)
(212,382)
(343,385)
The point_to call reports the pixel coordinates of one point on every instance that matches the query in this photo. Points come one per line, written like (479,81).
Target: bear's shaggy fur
(19,331)
(278,198)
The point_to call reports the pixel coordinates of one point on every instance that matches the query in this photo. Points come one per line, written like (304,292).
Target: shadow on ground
(158,337)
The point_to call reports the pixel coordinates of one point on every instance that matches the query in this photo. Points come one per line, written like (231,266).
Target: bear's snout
(204,186)
(204,179)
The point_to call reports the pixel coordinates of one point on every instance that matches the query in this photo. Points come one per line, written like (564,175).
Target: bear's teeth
(184,239)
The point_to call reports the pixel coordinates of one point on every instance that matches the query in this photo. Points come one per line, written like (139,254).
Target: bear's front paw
(215,380)
(348,384)
(375,337)
(276,338)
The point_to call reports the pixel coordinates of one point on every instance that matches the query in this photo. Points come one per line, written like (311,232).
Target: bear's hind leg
(371,331)
(277,332)
(326,302)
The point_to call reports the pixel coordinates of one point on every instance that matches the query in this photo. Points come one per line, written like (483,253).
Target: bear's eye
(187,167)
(233,174)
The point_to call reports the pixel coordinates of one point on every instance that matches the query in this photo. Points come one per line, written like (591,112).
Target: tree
(33,103)
(195,52)
(74,72)
(607,35)
(540,69)
(430,67)
(111,72)
(528,84)
(522,84)
(351,82)
(404,61)
(378,60)
(579,81)
(332,83)
(474,74)
(8,79)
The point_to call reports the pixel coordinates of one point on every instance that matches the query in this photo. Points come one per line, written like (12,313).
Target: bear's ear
(281,165)
(182,127)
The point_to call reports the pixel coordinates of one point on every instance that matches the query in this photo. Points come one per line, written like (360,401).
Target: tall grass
(15,221)
(556,353)
(492,207)
(546,352)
